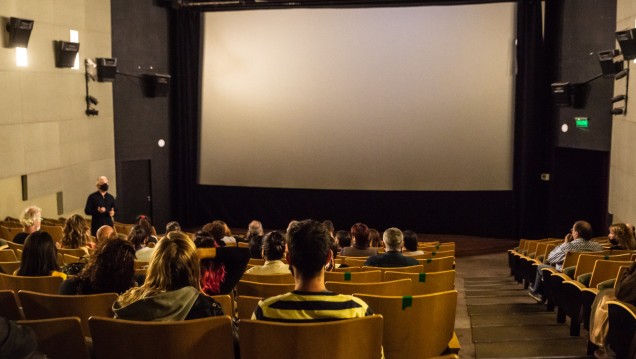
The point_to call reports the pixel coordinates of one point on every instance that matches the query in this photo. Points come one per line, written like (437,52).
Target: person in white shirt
(273,252)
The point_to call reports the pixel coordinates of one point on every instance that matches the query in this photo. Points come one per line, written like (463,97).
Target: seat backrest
(622,326)
(606,269)
(408,269)
(348,338)
(415,327)
(440,247)
(8,255)
(394,287)
(9,307)
(355,261)
(426,283)
(9,267)
(586,261)
(245,306)
(59,337)
(44,306)
(572,257)
(47,284)
(355,269)
(197,338)
(256,261)
(263,290)
(355,277)
(438,254)
(56,232)
(437,264)
(225,300)
(77,252)
(269,278)
(8,233)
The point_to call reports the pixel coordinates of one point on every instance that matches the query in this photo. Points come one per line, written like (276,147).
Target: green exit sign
(581,122)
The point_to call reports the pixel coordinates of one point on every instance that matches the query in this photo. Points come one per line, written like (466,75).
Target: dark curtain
(532,122)
(186,59)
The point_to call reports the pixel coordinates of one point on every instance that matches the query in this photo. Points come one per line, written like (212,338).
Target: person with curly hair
(172,289)
(111,269)
(76,234)
(39,257)
(621,237)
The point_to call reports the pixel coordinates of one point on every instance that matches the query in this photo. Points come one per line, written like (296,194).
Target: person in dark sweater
(393,241)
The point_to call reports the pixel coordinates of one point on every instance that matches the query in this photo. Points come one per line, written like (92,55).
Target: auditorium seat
(426,283)
(269,278)
(197,338)
(59,337)
(437,264)
(355,277)
(394,287)
(9,267)
(348,338)
(245,306)
(7,255)
(263,290)
(46,284)
(44,306)
(418,326)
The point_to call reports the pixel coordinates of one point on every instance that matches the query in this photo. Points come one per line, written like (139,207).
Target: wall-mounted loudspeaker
(627,40)
(156,85)
(65,53)
(106,69)
(19,32)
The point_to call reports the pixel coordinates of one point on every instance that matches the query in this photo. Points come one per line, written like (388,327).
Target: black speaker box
(19,32)
(609,67)
(106,69)
(627,40)
(156,85)
(65,53)
(562,94)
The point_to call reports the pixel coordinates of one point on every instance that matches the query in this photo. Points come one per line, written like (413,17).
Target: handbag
(76,268)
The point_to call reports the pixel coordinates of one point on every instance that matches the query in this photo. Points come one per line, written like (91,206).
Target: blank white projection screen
(410,98)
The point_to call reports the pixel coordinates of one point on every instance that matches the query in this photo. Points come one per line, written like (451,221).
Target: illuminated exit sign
(581,122)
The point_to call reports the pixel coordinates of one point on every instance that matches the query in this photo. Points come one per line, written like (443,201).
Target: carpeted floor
(497,319)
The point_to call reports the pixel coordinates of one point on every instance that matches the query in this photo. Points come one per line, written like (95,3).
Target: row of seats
(572,291)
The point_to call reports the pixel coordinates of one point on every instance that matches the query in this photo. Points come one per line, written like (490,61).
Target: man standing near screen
(101,206)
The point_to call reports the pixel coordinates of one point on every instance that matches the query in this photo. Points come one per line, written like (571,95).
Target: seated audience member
(139,237)
(577,240)
(31,219)
(203,239)
(621,237)
(219,231)
(255,228)
(360,242)
(76,234)
(375,240)
(273,251)
(393,242)
(111,269)
(410,244)
(344,240)
(333,245)
(104,234)
(256,246)
(16,341)
(39,257)
(172,289)
(146,223)
(173,226)
(624,291)
(222,267)
(329,225)
(308,254)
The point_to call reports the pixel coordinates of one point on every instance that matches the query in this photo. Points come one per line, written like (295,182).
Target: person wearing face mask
(101,206)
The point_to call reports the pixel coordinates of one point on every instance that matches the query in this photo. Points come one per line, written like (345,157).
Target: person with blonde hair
(172,289)
(76,234)
(621,237)
(31,219)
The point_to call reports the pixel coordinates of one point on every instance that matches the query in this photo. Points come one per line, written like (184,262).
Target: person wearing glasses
(100,205)
(577,240)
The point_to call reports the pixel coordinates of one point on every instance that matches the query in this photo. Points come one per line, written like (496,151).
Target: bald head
(104,233)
